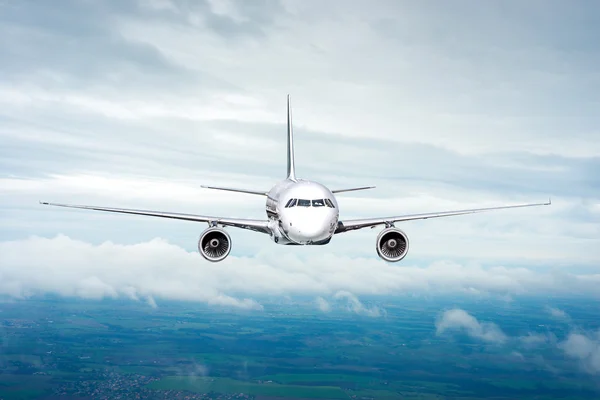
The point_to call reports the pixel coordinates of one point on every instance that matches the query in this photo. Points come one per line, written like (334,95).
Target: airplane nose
(302,230)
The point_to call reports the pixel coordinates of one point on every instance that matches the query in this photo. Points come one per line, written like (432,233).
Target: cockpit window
(303,203)
(290,203)
(308,203)
(318,203)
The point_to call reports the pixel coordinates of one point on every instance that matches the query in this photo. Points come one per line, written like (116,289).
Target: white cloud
(151,302)
(532,340)
(585,348)
(457,319)
(159,269)
(558,313)
(322,304)
(73,268)
(356,306)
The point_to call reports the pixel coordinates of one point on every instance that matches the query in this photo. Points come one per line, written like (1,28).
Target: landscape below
(54,348)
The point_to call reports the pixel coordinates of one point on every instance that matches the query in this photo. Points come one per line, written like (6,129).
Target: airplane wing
(251,224)
(353,224)
(248,191)
(352,189)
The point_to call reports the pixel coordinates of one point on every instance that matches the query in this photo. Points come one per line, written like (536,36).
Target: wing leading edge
(353,224)
(251,224)
(248,191)
(352,189)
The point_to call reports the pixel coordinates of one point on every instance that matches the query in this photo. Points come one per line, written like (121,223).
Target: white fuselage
(301,212)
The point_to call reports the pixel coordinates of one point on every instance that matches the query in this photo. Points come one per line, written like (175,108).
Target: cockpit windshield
(308,203)
(303,203)
(318,203)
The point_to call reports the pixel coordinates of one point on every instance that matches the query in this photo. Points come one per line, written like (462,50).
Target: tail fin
(291,168)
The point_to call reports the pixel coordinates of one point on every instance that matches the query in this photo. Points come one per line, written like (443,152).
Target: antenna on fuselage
(291,168)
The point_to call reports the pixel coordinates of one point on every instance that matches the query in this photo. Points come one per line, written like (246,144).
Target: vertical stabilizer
(291,168)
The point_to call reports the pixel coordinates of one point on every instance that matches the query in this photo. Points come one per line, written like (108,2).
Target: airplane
(299,212)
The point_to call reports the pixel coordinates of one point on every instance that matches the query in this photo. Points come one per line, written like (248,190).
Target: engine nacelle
(214,244)
(392,244)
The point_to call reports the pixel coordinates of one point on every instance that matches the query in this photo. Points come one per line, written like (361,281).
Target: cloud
(151,302)
(533,340)
(74,268)
(157,268)
(457,319)
(580,346)
(356,306)
(322,304)
(558,313)
(585,348)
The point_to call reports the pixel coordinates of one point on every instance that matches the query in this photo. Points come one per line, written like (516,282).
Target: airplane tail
(291,167)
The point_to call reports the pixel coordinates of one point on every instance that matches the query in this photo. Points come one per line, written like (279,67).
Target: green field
(226,385)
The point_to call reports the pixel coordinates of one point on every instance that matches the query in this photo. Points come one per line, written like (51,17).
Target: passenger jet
(299,212)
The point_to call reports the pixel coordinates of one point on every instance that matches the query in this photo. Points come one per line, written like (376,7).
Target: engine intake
(392,244)
(214,244)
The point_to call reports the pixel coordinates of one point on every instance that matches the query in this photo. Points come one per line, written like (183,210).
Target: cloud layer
(159,270)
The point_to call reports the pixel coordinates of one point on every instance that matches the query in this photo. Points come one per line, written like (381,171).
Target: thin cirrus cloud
(138,103)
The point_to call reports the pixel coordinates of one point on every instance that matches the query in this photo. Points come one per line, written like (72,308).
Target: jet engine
(392,244)
(214,244)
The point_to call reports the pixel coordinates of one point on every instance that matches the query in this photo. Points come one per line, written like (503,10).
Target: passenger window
(318,203)
(290,203)
(303,203)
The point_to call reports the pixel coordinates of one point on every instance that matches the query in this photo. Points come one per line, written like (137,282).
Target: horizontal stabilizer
(261,193)
(352,189)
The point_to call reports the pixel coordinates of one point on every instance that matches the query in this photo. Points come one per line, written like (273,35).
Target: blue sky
(138,103)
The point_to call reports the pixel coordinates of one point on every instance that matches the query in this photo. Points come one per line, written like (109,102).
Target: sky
(138,103)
